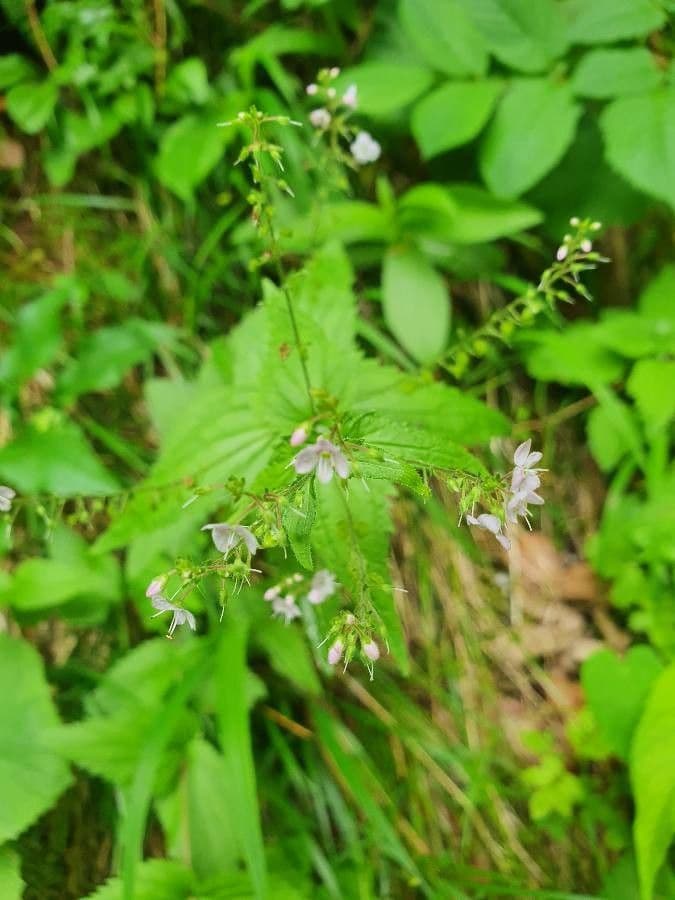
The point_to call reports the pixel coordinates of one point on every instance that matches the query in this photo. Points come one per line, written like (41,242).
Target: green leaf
(575,356)
(31,105)
(31,775)
(607,443)
(653,780)
(156,878)
(55,459)
(416,304)
(14,68)
(524,35)
(188,82)
(652,386)
(444,35)
(385,88)
(288,653)
(607,21)
(613,73)
(533,127)
(104,357)
(483,217)
(235,740)
(188,150)
(639,136)
(298,519)
(657,301)
(616,690)
(11,882)
(453,114)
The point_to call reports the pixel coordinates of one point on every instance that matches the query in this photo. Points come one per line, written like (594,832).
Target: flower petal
(340,462)
(504,541)
(306,460)
(324,469)
(489,522)
(224,536)
(246,535)
(522,452)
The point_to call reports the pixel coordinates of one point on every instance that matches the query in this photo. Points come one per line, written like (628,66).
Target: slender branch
(39,36)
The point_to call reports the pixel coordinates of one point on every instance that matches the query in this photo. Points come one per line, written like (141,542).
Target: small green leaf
(416,303)
(616,690)
(298,519)
(453,114)
(613,73)
(575,356)
(445,36)
(14,68)
(188,150)
(652,385)
(639,136)
(607,21)
(653,780)
(11,882)
(156,878)
(31,775)
(31,105)
(532,128)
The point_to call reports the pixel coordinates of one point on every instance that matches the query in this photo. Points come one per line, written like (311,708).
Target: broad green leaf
(187,82)
(484,217)
(156,878)
(444,35)
(104,357)
(607,443)
(235,740)
(524,35)
(31,775)
(613,73)
(573,356)
(533,126)
(453,114)
(30,105)
(607,21)
(426,211)
(657,301)
(653,780)
(385,88)
(188,150)
(213,829)
(652,386)
(54,457)
(639,136)
(616,690)
(11,882)
(416,303)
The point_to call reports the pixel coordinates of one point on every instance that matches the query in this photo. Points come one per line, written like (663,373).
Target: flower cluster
(283,596)
(6,497)
(334,111)
(522,493)
(579,242)
(348,637)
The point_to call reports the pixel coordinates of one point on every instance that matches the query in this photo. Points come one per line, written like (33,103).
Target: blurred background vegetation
(530,752)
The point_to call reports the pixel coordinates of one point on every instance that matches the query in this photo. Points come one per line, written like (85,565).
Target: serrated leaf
(653,780)
(416,303)
(524,35)
(639,136)
(156,878)
(453,114)
(444,35)
(31,775)
(392,470)
(531,130)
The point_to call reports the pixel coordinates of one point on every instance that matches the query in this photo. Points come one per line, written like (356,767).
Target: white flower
(323,456)
(180,615)
(312,89)
(286,608)
(227,537)
(272,593)
(524,483)
(335,653)
(6,497)
(523,458)
(365,149)
(492,524)
(372,651)
(320,118)
(350,96)
(561,253)
(322,587)
(156,586)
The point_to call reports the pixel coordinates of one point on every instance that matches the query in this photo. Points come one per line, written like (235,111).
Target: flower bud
(586,246)
(311,89)
(561,253)
(156,586)
(335,653)
(299,436)
(372,651)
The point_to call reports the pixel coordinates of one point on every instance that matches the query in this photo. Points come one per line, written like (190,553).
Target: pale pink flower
(299,436)
(561,252)
(350,96)
(286,608)
(156,586)
(180,616)
(322,587)
(372,651)
(312,89)
(335,653)
(227,537)
(320,118)
(490,523)
(325,458)
(7,494)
